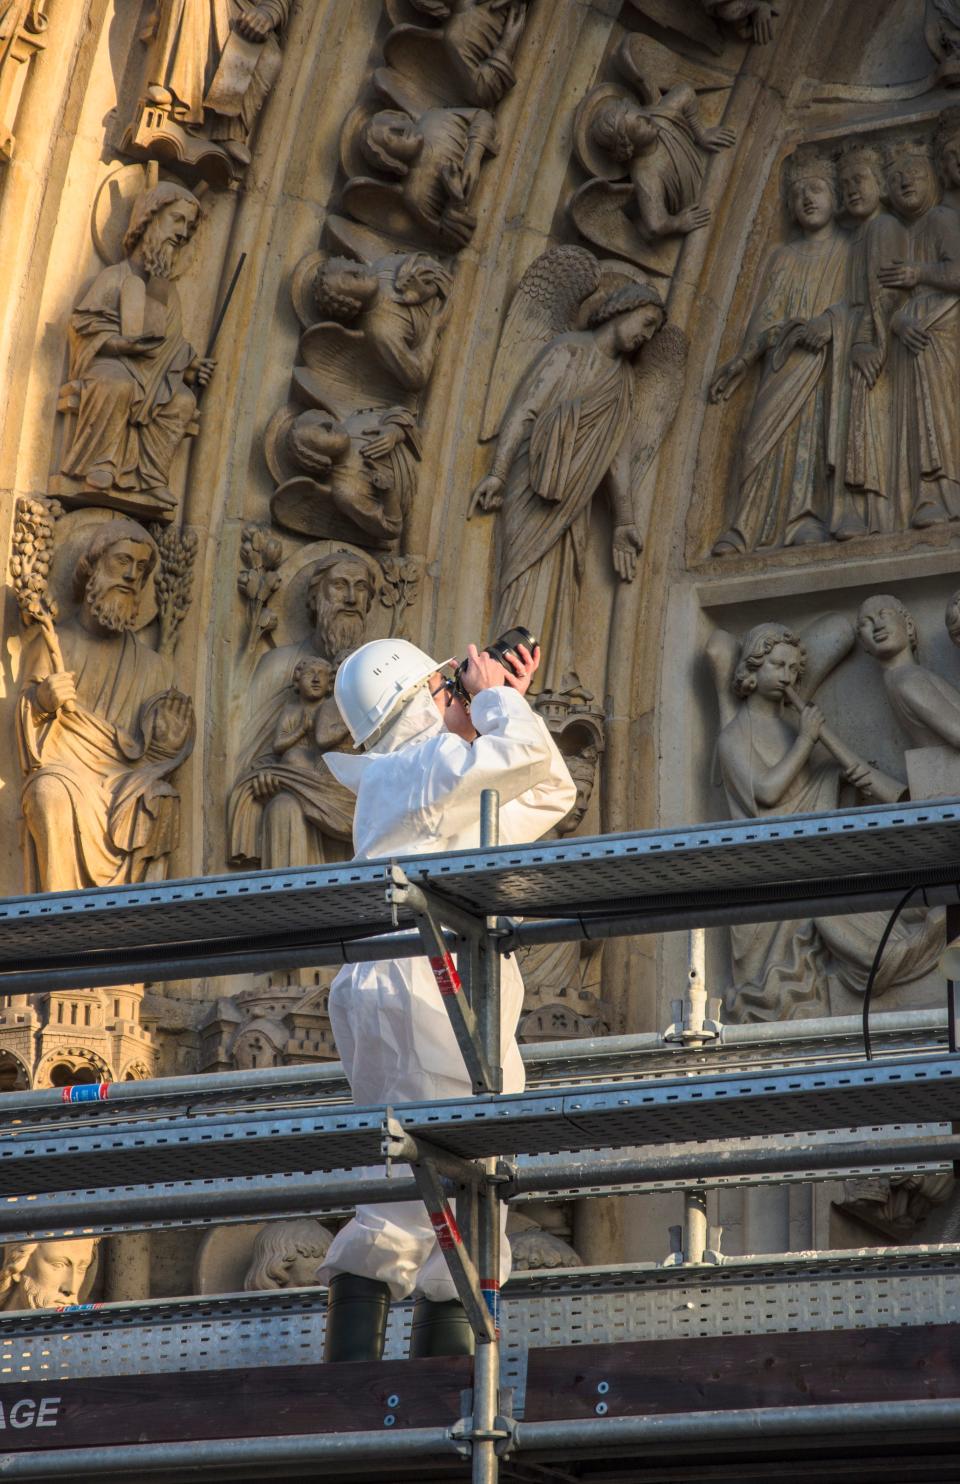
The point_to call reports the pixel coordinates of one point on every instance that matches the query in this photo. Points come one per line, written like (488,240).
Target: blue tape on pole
(87,1092)
(490,1289)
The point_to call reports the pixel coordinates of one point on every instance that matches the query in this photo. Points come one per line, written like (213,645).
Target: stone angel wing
(545,304)
(658,384)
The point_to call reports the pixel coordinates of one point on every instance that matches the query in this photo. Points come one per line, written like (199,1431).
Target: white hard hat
(374,681)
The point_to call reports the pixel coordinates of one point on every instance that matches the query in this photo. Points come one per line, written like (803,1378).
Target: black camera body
(507,643)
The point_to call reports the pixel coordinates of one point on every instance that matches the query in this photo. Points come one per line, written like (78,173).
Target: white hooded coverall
(418,790)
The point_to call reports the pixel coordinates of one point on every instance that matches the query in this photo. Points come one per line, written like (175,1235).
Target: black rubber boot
(356,1318)
(440,1328)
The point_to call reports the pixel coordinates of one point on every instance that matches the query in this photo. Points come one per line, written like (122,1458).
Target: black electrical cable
(891,924)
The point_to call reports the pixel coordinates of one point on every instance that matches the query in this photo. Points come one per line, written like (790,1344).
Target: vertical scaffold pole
(486,1366)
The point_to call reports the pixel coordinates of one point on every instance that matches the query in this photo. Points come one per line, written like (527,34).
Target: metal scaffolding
(220,1153)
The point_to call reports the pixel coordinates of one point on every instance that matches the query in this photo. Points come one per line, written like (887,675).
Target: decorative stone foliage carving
(468,51)
(658,141)
(134,379)
(770,764)
(22,24)
(572,408)
(101,729)
(284,806)
(45,1275)
(210,67)
(258,579)
(427,161)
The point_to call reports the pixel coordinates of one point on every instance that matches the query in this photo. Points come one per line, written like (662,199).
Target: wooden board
(232,1403)
(718,1372)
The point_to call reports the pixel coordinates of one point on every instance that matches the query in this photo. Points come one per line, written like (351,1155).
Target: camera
(507,643)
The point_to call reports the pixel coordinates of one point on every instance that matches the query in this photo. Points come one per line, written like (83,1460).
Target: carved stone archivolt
(22,27)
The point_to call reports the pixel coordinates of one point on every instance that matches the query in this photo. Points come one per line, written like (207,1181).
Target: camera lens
(510,642)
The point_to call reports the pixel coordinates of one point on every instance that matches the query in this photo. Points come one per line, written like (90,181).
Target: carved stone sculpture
(788,442)
(561,981)
(44,1275)
(131,397)
(926,354)
(394,307)
(895,1205)
(712,23)
(359,473)
(210,66)
(22,24)
(867,495)
(770,766)
(588,407)
(286,1254)
(472,44)
(431,157)
(751,20)
(660,143)
(101,730)
(535,1248)
(941,29)
(284,807)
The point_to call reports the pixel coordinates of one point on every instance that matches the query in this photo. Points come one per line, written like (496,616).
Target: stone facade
(637,322)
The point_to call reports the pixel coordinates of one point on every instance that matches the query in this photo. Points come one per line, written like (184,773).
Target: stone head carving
(286,1254)
(860,179)
(886,629)
(636,311)
(44,1275)
(391,141)
(910,176)
(313,678)
(110,577)
(340,594)
(624,130)
(810,185)
(771,658)
(162,221)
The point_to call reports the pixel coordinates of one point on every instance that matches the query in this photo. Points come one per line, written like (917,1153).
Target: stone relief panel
(645,147)
(134,380)
(583,391)
(209,68)
(101,726)
(22,27)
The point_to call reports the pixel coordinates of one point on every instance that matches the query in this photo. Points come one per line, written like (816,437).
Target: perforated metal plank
(652,1113)
(752,869)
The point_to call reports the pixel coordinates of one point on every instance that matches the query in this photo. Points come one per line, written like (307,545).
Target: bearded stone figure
(789,445)
(44,1275)
(131,400)
(100,740)
(211,65)
(284,810)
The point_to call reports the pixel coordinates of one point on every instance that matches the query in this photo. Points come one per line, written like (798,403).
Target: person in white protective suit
(418,783)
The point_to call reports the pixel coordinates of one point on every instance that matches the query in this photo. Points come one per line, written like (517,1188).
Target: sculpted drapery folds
(770,765)
(792,438)
(286,802)
(210,67)
(100,740)
(573,421)
(130,400)
(475,44)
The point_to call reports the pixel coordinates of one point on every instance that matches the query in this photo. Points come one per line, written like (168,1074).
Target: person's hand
(816,333)
(860,775)
(715,139)
(627,542)
(56,691)
(691,219)
(727,379)
(482,672)
(811,722)
(172,721)
(899,275)
(254,25)
(914,336)
(133,345)
(524,666)
(487,496)
(264,786)
(200,370)
(867,362)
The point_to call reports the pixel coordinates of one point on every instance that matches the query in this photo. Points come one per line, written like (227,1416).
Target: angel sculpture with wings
(586,409)
(660,143)
(358,477)
(434,155)
(397,305)
(772,764)
(475,43)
